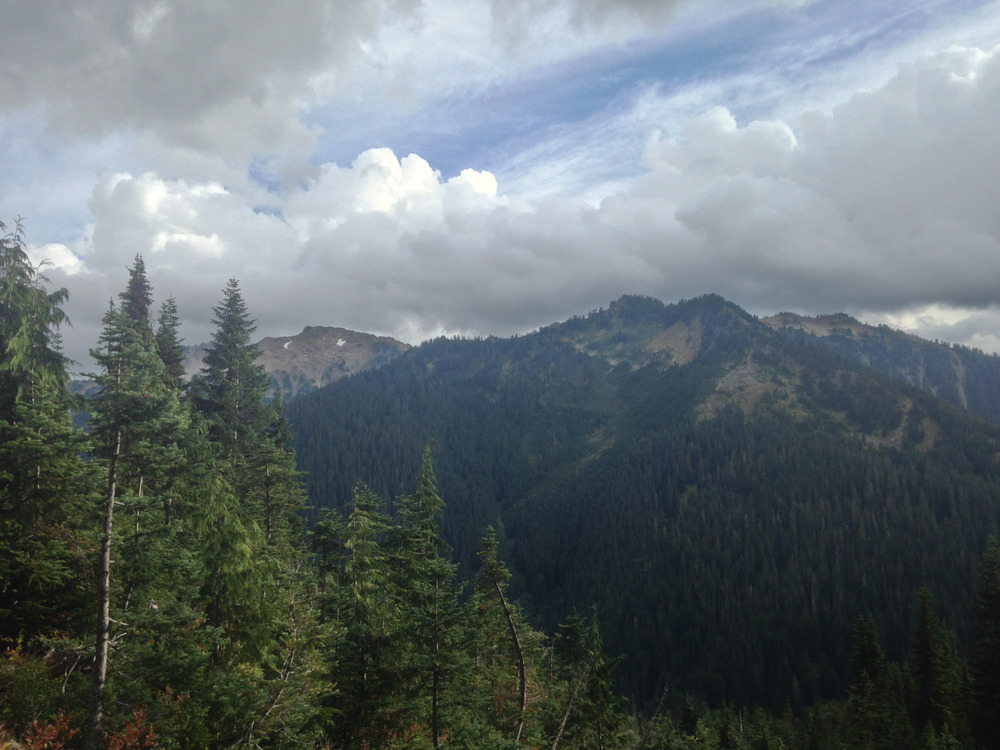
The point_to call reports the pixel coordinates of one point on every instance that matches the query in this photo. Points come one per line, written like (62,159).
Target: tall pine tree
(434,622)
(168,342)
(138,425)
(258,513)
(986,652)
(43,483)
(137,299)
(46,490)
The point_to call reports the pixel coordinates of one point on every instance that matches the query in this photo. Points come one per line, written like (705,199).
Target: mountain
(298,364)
(729,493)
(960,375)
(317,356)
(321,355)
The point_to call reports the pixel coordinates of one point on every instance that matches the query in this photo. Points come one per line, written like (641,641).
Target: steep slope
(965,377)
(731,499)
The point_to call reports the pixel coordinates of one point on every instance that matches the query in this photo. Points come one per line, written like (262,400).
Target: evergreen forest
(532,542)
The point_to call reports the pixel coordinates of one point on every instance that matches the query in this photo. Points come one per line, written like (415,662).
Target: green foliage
(732,500)
(940,682)
(168,342)
(44,485)
(986,652)
(137,298)
(753,535)
(962,376)
(877,696)
(232,387)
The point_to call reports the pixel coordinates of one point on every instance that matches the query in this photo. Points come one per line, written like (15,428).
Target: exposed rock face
(313,358)
(321,355)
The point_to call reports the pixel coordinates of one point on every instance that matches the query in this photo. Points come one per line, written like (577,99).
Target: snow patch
(341,342)
(287,343)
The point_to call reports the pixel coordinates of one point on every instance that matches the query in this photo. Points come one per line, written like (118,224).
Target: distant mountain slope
(311,359)
(731,498)
(321,355)
(965,377)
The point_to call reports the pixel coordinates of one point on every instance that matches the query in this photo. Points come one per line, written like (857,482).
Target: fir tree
(939,698)
(986,652)
(262,497)
(232,579)
(491,595)
(232,387)
(137,426)
(433,619)
(45,491)
(585,702)
(367,712)
(168,344)
(873,722)
(137,299)
(249,434)
(326,540)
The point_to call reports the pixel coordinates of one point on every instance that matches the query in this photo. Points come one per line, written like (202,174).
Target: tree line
(160,588)
(728,551)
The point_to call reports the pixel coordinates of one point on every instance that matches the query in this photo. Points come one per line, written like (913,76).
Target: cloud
(241,78)
(883,204)
(516,23)
(187,71)
(886,199)
(199,136)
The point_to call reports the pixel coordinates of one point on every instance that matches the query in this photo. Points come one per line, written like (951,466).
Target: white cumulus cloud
(194,134)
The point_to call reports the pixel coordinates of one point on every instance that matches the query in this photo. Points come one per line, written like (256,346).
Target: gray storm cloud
(185,70)
(883,204)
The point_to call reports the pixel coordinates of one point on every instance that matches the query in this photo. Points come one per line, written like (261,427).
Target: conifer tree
(326,540)
(137,426)
(250,442)
(45,487)
(249,434)
(278,492)
(366,710)
(986,652)
(940,695)
(137,299)
(584,702)
(168,343)
(232,579)
(491,602)
(232,387)
(434,621)
(36,440)
(876,718)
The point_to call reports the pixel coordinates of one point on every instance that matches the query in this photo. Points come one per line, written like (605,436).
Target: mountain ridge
(315,357)
(662,462)
(322,354)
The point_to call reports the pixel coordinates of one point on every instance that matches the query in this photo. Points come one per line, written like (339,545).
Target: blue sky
(425,167)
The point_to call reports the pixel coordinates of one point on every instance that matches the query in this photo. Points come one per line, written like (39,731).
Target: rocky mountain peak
(322,354)
(313,358)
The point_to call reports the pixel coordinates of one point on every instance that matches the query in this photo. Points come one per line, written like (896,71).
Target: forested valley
(486,544)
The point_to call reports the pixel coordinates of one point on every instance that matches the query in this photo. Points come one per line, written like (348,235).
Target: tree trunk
(521,672)
(92,741)
(435,677)
(569,708)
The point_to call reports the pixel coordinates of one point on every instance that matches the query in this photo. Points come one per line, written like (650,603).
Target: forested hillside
(732,500)
(962,376)
(755,520)
(159,588)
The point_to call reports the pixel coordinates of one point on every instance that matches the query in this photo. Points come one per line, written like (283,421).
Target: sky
(417,168)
